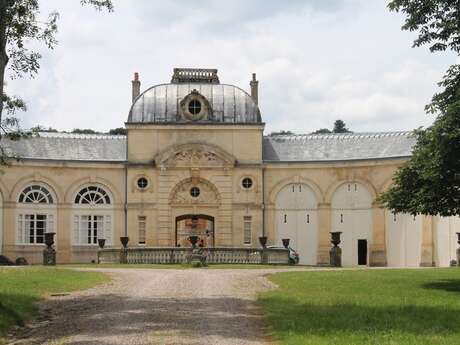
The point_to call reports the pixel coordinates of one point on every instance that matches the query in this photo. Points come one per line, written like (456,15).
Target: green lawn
(381,307)
(21,287)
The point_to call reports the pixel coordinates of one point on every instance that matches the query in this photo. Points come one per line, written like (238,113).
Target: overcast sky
(316,61)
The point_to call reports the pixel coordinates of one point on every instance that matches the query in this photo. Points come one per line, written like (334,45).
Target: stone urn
(49,238)
(335,253)
(124,241)
(49,254)
(193,240)
(263,241)
(286,242)
(101,242)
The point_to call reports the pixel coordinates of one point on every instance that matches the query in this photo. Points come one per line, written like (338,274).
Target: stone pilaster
(377,249)
(324,229)
(427,258)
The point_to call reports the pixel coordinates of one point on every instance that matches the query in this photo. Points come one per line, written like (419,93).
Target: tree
(340,127)
(282,132)
(429,182)
(84,131)
(118,131)
(20,28)
(322,131)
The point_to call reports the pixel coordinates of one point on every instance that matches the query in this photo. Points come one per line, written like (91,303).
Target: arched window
(36,194)
(34,217)
(92,220)
(92,195)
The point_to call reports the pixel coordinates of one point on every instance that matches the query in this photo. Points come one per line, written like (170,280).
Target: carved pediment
(207,193)
(194,155)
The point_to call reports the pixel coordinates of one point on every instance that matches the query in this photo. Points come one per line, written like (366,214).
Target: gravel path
(157,306)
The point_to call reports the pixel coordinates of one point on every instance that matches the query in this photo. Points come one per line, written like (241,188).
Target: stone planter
(193,240)
(101,242)
(49,254)
(263,241)
(335,253)
(124,241)
(286,242)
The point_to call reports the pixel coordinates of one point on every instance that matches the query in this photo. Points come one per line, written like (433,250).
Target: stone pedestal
(49,256)
(123,256)
(336,256)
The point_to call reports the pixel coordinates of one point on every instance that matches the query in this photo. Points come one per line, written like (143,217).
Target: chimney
(254,89)
(136,86)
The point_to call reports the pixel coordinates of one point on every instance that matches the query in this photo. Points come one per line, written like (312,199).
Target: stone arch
(295,179)
(110,188)
(180,194)
(22,183)
(335,186)
(352,215)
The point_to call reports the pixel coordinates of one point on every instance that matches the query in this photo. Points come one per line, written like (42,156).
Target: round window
(142,183)
(246,183)
(194,107)
(195,192)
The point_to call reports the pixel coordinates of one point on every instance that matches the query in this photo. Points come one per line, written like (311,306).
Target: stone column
(324,229)
(377,249)
(427,258)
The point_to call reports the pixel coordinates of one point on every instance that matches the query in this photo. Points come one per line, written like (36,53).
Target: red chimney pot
(136,76)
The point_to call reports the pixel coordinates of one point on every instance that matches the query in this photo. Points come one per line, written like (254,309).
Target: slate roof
(161,103)
(69,147)
(282,148)
(337,147)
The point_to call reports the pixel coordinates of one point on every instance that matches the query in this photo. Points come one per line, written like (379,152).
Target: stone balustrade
(178,255)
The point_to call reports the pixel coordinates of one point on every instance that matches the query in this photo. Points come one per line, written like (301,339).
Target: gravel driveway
(158,306)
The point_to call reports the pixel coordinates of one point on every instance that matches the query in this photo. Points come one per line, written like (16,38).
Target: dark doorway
(200,224)
(362,252)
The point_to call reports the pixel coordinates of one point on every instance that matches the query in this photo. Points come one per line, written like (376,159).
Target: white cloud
(316,61)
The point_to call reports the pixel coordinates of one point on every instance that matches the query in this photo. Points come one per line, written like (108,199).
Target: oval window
(246,183)
(194,107)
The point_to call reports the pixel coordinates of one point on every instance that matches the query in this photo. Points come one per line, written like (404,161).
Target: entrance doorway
(197,224)
(362,252)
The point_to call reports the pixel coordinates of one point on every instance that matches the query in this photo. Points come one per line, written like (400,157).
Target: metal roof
(282,148)
(69,147)
(161,103)
(337,147)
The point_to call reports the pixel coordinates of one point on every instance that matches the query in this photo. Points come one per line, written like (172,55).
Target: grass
(176,266)
(21,288)
(384,307)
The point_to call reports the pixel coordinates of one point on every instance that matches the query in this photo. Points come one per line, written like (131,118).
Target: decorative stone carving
(208,193)
(194,155)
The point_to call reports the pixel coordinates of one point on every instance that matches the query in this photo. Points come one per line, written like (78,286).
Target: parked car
(293,254)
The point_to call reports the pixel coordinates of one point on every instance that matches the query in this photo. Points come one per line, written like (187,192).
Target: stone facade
(242,183)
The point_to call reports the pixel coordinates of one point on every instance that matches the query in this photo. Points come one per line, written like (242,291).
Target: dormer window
(194,107)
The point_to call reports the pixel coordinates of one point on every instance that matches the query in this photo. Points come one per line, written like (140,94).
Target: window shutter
(49,223)
(108,229)
(20,230)
(76,230)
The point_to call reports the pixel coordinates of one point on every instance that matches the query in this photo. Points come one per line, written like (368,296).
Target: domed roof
(170,103)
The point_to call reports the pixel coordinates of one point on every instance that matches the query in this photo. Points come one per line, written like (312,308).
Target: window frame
(247,230)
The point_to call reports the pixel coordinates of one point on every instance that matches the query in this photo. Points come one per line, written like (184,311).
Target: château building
(196,147)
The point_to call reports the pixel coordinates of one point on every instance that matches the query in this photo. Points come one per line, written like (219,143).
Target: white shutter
(108,230)
(76,230)
(49,223)
(20,230)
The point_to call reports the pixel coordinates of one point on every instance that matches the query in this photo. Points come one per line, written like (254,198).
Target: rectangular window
(247,229)
(141,223)
(89,228)
(32,228)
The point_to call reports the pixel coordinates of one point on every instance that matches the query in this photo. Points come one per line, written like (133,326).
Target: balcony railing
(179,255)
